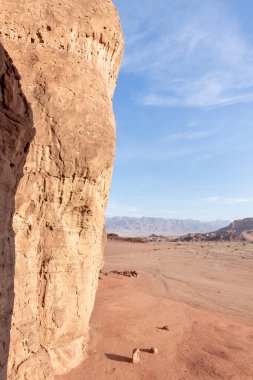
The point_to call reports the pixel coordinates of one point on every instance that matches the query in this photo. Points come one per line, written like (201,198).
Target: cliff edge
(68,54)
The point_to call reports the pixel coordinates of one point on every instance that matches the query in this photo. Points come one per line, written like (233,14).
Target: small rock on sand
(166,328)
(154,350)
(136,355)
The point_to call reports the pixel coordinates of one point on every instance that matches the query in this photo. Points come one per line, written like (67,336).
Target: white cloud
(188,135)
(167,149)
(120,209)
(204,97)
(228,201)
(212,199)
(190,54)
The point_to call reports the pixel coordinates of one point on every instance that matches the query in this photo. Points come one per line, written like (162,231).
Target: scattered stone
(112,236)
(166,328)
(116,237)
(136,356)
(154,350)
(127,273)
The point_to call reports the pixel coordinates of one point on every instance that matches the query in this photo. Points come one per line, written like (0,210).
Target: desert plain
(203,292)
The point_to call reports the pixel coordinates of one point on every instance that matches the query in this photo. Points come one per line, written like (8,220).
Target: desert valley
(203,292)
(189,298)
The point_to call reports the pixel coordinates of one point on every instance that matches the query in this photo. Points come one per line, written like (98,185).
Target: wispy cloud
(166,149)
(228,201)
(191,54)
(188,135)
(121,209)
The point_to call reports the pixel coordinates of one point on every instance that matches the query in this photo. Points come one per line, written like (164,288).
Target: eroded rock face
(16,133)
(68,53)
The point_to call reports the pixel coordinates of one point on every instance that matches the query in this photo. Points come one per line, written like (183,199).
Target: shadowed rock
(16,133)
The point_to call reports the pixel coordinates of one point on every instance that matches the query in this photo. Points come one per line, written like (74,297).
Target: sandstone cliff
(68,54)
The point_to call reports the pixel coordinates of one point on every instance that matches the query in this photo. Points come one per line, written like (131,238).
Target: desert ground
(203,292)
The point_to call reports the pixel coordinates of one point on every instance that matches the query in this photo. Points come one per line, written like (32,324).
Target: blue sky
(184,110)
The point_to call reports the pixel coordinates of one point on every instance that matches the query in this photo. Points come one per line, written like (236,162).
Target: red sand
(203,292)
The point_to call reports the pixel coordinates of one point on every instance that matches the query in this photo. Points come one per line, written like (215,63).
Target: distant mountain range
(145,226)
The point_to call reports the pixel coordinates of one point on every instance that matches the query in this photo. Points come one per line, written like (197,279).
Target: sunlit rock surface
(68,54)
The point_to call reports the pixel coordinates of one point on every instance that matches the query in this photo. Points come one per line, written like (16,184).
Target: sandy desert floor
(202,291)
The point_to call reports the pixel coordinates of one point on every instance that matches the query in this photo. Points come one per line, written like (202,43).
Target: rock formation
(68,54)
(239,230)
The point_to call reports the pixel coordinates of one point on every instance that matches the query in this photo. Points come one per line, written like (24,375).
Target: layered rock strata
(68,53)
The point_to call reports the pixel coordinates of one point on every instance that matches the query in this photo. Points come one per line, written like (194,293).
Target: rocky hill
(239,230)
(238,226)
(126,226)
